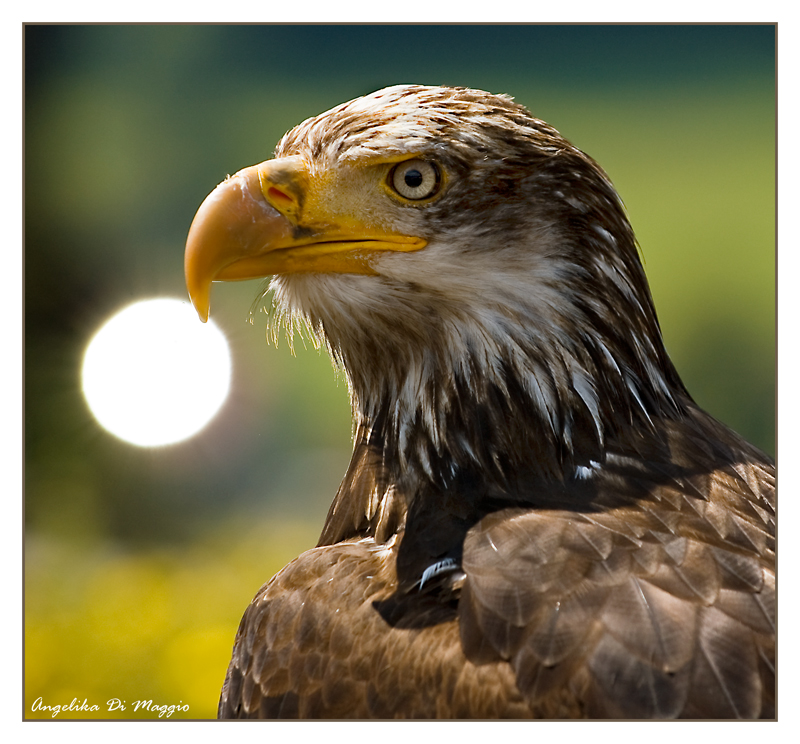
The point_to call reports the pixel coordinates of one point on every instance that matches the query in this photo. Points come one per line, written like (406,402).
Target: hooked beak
(271,219)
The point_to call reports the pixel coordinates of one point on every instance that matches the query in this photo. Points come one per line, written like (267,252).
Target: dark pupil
(413,178)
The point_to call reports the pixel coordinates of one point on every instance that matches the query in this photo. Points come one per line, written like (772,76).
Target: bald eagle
(538,520)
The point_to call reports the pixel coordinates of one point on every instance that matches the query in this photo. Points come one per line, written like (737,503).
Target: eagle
(537,521)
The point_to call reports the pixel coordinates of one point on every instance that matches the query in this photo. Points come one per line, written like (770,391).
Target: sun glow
(155,375)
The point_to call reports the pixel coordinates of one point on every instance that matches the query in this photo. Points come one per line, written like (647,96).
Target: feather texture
(537,520)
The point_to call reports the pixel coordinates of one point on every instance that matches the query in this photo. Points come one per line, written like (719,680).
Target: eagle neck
(516,411)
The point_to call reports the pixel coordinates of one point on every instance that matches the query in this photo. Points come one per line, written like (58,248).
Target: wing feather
(670,609)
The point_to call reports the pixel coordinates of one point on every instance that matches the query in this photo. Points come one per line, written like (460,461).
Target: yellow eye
(415,179)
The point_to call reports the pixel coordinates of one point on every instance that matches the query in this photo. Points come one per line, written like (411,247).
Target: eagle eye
(415,179)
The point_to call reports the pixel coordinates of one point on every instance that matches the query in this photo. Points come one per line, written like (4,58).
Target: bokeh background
(139,562)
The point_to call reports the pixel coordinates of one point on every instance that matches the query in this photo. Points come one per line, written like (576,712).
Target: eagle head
(472,272)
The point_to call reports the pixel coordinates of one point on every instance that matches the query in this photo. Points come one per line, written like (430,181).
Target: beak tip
(202,311)
(198,279)
(200,301)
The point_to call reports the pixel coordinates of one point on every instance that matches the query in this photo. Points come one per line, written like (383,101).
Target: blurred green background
(140,562)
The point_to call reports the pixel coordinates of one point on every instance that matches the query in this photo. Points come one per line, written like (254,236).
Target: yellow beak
(272,218)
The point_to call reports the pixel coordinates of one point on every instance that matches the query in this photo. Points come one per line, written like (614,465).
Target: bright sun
(154,374)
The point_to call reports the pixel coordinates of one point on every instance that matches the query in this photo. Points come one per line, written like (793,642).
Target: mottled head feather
(525,326)
(408,118)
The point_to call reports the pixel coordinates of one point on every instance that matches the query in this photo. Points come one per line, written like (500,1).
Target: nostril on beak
(279,198)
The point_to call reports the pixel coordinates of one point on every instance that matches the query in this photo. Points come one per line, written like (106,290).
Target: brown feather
(537,520)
